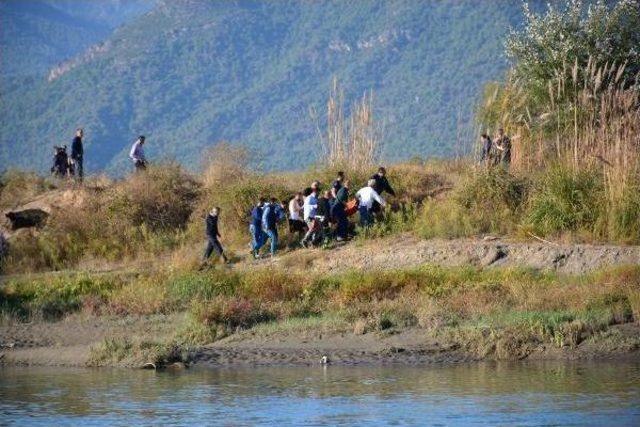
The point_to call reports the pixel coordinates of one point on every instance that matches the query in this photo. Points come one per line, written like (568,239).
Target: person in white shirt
(366,196)
(137,154)
(296,224)
(310,212)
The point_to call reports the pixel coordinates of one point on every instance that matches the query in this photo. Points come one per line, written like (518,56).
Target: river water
(475,394)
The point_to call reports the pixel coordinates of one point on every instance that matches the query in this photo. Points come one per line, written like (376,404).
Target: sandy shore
(68,343)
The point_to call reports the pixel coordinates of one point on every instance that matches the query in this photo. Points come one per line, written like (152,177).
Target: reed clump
(572,105)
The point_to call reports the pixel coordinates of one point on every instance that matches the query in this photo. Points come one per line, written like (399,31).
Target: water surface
(476,394)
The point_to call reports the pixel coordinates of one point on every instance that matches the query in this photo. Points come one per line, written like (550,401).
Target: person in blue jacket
(258,237)
(270,224)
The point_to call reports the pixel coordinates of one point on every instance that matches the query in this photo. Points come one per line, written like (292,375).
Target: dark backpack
(271,218)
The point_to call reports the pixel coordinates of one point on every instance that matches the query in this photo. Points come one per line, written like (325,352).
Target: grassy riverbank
(490,313)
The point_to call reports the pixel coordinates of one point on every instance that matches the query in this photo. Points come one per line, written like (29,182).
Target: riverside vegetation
(570,103)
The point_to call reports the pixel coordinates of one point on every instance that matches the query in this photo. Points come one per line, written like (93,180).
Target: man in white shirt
(310,211)
(296,224)
(137,154)
(366,196)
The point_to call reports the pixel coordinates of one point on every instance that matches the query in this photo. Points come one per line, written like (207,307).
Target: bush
(53,297)
(17,187)
(146,212)
(566,201)
(231,312)
(444,219)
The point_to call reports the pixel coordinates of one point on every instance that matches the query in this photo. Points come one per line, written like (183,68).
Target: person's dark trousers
(79,168)
(337,212)
(140,166)
(365,216)
(213,244)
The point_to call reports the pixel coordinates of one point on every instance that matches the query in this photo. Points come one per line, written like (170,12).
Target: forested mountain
(190,73)
(37,34)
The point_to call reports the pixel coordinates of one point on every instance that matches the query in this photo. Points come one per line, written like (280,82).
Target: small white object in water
(324,360)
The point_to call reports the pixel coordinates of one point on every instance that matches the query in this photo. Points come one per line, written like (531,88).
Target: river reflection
(487,393)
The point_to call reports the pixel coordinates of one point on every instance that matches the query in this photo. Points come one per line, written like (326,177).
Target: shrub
(17,187)
(566,201)
(184,288)
(493,199)
(53,297)
(146,295)
(231,312)
(444,219)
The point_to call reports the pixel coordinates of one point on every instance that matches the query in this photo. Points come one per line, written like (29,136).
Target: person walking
(338,211)
(296,224)
(213,236)
(367,197)
(337,184)
(503,145)
(77,154)
(255,228)
(137,154)
(381,185)
(310,210)
(270,224)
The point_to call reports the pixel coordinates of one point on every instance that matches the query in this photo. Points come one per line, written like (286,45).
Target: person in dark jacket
(337,184)
(486,155)
(270,224)
(213,234)
(324,207)
(77,153)
(258,237)
(381,185)
(60,167)
(503,145)
(338,211)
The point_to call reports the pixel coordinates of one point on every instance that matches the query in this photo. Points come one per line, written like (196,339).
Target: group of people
(313,216)
(497,151)
(65,165)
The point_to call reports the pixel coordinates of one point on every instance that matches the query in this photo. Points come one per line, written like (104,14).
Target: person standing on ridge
(137,154)
(77,153)
(60,168)
(486,155)
(503,144)
(213,244)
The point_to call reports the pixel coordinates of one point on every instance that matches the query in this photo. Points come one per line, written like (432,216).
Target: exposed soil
(409,251)
(68,342)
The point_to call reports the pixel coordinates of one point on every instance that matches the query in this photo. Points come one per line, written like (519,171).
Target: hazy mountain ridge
(188,74)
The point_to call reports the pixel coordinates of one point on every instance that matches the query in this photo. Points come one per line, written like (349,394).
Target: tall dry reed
(354,143)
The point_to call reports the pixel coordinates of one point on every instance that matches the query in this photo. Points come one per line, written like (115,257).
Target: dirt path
(409,251)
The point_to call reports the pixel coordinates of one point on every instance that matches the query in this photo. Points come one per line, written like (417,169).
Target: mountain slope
(188,74)
(37,34)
